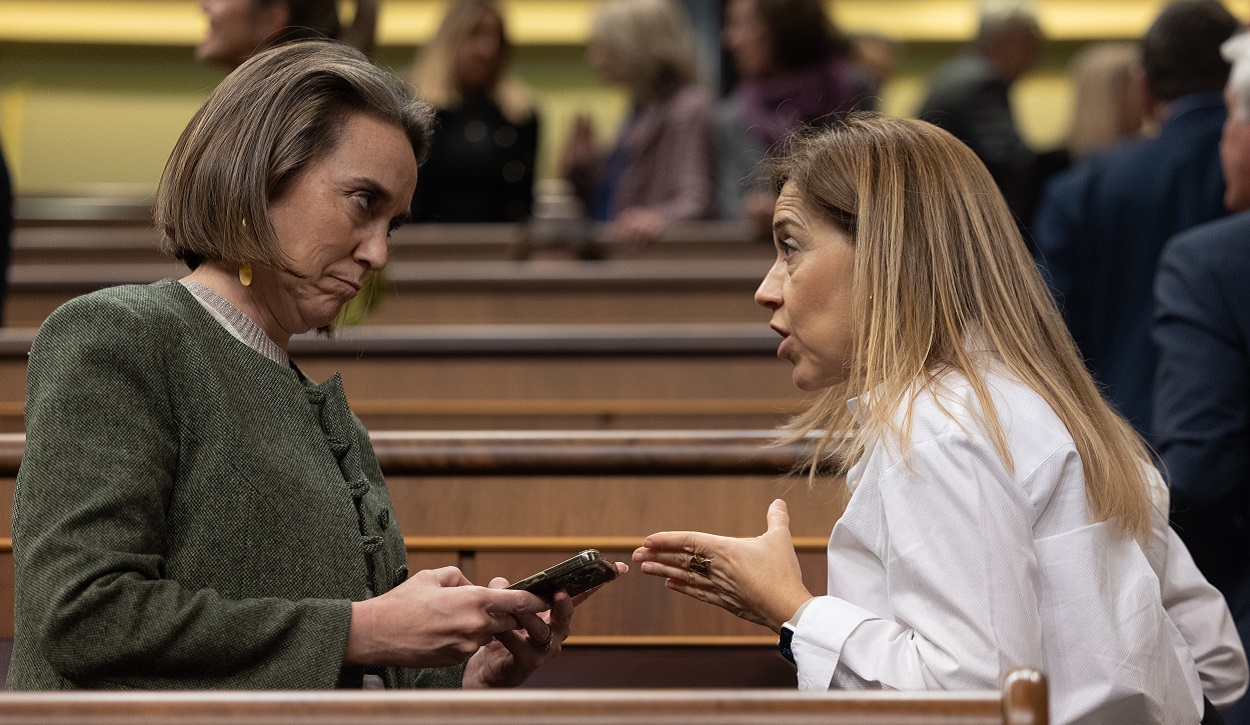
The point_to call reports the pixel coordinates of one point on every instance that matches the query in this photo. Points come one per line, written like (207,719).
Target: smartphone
(575,575)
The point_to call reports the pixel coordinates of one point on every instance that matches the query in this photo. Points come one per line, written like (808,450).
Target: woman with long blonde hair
(1000,513)
(481,164)
(1107,104)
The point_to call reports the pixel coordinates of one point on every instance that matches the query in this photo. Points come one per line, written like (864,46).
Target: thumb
(515,601)
(778,517)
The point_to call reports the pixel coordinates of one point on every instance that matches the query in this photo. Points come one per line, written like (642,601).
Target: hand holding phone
(576,575)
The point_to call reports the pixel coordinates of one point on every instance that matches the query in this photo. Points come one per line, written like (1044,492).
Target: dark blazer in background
(968,99)
(1099,231)
(480,168)
(1202,404)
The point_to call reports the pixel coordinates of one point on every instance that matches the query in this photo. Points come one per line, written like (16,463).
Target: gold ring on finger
(700,565)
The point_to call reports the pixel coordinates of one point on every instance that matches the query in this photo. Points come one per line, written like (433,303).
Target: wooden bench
(1022,701)
(109,241)
(528,376)
(468,292)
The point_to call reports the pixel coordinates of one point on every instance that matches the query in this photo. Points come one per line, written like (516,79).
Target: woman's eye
(788,247)
(364,200)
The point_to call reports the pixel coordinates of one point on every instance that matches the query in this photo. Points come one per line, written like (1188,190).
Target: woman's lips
(781,349)
(351,286)
(785,338)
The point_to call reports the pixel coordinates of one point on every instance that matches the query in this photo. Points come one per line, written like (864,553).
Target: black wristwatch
(784,642)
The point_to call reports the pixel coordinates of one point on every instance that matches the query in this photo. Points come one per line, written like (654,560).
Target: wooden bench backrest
(471,291)
(528,376)
(58,237)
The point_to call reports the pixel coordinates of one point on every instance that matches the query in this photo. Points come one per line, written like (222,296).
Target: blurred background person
(795,70)
(662,166)
(1107,100)
(481,163)
(1202,382)
(878,56)
(1101,224)
(238,29)
(1106,109)
(970,96)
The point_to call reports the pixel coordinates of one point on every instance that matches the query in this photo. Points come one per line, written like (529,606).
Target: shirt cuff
(819,633)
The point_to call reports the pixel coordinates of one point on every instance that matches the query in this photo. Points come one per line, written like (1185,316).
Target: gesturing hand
(757,579)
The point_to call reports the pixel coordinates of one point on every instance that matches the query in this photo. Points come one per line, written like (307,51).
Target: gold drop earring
(245,269)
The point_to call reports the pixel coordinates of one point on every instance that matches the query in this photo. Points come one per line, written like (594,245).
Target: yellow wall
(410,22)
(93,93)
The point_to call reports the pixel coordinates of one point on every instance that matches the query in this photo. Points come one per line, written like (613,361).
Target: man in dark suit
(970,95)
(1102,224)
(1202,387)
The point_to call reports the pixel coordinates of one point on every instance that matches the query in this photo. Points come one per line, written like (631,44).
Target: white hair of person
(1236,50)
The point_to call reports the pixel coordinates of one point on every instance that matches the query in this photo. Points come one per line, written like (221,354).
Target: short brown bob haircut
(268,121)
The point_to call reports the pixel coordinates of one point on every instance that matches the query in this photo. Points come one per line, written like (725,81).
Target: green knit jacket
(189,514)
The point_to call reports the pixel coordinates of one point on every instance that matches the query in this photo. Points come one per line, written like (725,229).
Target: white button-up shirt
(947,570)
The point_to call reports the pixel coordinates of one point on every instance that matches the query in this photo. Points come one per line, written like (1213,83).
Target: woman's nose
(769,292)
(372,252)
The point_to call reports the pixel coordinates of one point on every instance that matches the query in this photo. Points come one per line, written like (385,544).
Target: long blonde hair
(1105,98)
(939,261)
(433,74)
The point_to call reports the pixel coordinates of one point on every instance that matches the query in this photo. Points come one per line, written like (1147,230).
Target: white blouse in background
(946,571)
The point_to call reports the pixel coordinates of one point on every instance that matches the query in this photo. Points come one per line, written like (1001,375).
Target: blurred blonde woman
(1001,514)
(662,166)
(1107,104)
(481,164)
(1106,109)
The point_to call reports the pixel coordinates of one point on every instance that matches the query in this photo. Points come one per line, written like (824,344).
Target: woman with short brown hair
(192,511)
